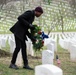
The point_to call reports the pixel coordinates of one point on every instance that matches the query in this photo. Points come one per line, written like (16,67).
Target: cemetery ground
(68,67)
(52,18)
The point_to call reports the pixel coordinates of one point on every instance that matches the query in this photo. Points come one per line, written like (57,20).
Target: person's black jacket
(20,29)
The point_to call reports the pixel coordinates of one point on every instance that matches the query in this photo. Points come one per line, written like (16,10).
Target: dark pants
(20,45)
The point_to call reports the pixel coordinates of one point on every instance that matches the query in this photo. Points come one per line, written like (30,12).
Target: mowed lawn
(68,67)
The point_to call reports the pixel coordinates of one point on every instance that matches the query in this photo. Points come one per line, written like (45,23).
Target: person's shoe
(13,66)
(28,67)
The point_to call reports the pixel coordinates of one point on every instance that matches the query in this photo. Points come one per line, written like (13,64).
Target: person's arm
(31,37)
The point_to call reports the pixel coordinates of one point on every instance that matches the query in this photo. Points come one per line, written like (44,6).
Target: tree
(73,6)
(57,14)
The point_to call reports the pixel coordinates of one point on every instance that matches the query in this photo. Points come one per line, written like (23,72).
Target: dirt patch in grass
(4,53)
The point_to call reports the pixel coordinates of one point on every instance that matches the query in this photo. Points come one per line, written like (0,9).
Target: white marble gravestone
(73,53)
(47,57)
(48,69)
(11,43)
(50,46)
(55,44)
(47,41)
(3,43)
(30,50)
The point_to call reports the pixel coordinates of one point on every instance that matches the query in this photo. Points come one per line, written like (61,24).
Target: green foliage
(39,41)
(37,28)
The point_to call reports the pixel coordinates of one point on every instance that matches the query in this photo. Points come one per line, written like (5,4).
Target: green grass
(4,70)
(68,67)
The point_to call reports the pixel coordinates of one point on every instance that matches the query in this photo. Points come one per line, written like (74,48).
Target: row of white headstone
(68,42)
(11,42)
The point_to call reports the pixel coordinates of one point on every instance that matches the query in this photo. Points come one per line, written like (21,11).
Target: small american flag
(58,61)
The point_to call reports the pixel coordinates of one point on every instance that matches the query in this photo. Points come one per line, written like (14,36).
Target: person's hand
(31,27)
(33,40)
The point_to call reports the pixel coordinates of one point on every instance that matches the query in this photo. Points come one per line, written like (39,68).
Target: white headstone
(73,53)
(50,46)
(48,69)
(47,41)
(30,50)
(55,44)
(11,44)
(47,57)
(3,43)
